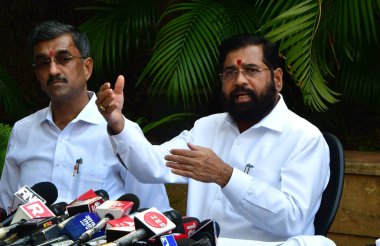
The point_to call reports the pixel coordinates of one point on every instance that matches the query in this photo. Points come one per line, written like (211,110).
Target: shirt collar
(88,114)
(270,121)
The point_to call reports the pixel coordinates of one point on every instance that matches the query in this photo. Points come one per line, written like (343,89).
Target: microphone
(87,195)
(24,231)
(81,206)
(103,194)
(110,210)
(50,233)
(59,208)
(119,227)
(32,210)
(3,214)
(186,226)
(80,224)
(190,225)
(45,190)
(207,233)
(132,198)
(67,231)
(5,231)
(176,217)
(53,233)
(149,224)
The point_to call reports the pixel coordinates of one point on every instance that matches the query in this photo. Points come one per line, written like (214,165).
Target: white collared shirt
(275,199)
(39,151)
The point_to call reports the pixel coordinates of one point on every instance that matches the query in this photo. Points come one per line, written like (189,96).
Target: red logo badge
(155,220)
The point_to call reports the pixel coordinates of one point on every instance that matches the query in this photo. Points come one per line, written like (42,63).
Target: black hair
(270,51)
(52,29)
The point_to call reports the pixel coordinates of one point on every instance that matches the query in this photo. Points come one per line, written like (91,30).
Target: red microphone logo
(37,210)
(155,220)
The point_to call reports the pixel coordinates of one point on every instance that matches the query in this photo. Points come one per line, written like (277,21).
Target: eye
(42,62)
(251,70)
(229,73)
(64,59)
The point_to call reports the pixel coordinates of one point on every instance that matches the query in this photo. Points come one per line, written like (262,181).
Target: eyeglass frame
(49,60)
(244,72)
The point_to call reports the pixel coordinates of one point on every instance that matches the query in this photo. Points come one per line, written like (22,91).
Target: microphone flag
(154,222)
(25,195)
(33,210)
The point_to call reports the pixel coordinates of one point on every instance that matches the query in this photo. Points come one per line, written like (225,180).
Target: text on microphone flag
(155,219)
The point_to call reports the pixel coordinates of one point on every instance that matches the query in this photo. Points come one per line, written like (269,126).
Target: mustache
(240,89)
(51,79)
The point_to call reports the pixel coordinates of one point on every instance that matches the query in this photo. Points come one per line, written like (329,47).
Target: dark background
(356,125)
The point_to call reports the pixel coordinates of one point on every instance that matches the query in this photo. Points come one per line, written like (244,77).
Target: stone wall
(358,219)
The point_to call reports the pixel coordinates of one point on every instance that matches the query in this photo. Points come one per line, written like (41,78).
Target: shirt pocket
(272,177)
(92,177)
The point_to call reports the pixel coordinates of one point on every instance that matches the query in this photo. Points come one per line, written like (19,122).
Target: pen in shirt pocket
(76,166)
(247,168)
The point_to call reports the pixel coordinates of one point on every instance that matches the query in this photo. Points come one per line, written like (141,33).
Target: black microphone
(46,190)
(176,217)
(206,234)
(24,231)
(103,194)
(3,214)
(59,208)
(131,198)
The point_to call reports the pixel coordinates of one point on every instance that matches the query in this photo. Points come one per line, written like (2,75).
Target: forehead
(252,54)
(61,43)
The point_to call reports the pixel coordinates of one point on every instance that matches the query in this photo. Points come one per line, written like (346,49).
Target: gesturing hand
(199,163)
(110,104)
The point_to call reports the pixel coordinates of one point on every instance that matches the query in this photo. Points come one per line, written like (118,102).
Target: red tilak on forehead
(51,53)
(238,62)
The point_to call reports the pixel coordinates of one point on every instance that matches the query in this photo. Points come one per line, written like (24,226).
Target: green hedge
(5,131)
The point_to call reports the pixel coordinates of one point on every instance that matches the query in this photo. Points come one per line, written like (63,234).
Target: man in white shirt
(47,145)
(259,169)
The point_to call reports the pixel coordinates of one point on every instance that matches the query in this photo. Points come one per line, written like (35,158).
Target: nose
(53,68)
(240,78)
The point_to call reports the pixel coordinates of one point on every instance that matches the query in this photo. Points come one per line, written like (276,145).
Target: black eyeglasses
(60,59)
(229,75)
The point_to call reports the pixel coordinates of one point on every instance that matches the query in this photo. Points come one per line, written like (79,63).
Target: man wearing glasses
(67,142)
(258,169)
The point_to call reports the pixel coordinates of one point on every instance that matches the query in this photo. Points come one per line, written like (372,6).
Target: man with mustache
(67,142)
(258,169)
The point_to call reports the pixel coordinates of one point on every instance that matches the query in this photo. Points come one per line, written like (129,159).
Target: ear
(278,79)
(88,65)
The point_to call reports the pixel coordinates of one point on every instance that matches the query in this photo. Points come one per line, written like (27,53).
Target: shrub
(5,131)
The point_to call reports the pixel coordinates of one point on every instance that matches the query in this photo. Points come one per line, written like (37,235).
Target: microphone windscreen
(3,214)
(217,228)
(176,217)
(130,198)
(80,224)
(47,191)
(58,208)
(103,194)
